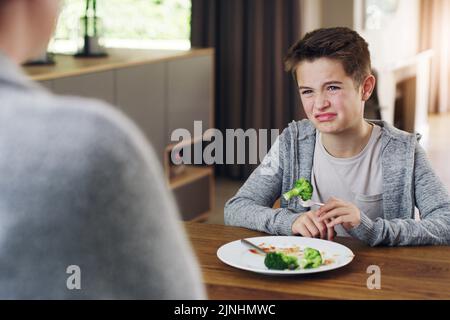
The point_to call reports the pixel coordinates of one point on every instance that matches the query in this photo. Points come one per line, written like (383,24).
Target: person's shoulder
(390,131)
(299,129)
(84,125)
(74,125)
(103,124)
(85,111)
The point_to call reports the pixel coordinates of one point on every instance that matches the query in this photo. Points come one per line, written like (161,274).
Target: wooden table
(406,272)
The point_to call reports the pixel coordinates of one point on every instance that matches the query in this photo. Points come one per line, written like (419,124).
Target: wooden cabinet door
(99,85)
(189,87)
(141,95)
(47,84)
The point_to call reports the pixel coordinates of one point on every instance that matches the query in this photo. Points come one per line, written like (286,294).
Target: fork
(310,203)
(253,246)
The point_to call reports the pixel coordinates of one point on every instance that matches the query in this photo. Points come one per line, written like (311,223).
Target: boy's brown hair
(342,44)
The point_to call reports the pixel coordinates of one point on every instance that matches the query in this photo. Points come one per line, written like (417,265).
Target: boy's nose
(322,103)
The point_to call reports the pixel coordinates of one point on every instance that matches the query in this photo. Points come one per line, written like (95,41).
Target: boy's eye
(306,92)
(333,88)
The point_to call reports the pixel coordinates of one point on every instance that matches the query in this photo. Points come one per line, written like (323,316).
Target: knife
(253,246)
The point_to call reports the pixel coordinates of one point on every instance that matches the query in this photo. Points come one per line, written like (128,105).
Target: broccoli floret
(302,188)
(280,261)
(311,259)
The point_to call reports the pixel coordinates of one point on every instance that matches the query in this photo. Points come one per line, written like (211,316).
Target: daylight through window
(150,24)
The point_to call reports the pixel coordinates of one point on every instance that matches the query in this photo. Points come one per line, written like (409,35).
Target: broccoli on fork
(302,188)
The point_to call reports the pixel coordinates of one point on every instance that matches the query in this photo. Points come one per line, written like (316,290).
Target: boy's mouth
(324,117)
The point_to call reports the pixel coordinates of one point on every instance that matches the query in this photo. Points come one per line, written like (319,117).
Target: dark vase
(91,30)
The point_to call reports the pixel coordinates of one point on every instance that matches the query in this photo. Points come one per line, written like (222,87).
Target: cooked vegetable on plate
(311,258)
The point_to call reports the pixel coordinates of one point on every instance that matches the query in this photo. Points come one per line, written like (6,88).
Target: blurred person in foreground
(80,187)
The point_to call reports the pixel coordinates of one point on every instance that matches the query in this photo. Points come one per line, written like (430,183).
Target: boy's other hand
(308,225)
(336,211)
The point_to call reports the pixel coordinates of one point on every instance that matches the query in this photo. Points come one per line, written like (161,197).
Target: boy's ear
(367,87)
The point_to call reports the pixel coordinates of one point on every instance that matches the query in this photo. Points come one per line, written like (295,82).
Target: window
(151,24)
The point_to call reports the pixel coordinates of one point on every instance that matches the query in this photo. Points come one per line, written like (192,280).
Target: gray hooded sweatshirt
(408,182)
(84,210)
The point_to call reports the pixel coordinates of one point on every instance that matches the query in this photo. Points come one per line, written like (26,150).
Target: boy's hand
(337,211)
(308,225)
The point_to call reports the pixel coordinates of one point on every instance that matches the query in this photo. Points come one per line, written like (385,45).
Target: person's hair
(341,44)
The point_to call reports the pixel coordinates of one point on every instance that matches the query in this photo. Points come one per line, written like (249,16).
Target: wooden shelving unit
(198,181)
(68,66)
(193,187)
(191,174)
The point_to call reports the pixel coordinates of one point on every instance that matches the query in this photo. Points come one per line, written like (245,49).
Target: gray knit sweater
(408,182)
(79,185)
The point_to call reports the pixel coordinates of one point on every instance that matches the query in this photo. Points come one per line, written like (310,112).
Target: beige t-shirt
(357,179)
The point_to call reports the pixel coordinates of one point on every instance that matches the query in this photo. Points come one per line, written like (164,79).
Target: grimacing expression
(332,101)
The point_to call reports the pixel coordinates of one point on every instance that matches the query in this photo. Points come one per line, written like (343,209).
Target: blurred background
(171,62)
(150,24)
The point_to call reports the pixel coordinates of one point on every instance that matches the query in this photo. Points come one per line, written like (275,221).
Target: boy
(370,175)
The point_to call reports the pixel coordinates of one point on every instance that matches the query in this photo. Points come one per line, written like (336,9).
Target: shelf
(194,192)
(67,65)
(190,174)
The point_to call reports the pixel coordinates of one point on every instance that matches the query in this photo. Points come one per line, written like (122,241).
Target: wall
(326,14)
(337,13)
(396,41)
(311,15)
(398,37)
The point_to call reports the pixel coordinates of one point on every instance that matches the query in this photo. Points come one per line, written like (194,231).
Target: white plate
(239,255)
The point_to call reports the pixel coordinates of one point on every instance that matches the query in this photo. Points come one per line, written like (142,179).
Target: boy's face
(329,96)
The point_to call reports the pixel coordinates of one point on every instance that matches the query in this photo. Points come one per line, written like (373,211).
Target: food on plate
(302,188)
(280,261)
(294,250)
(309,258)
